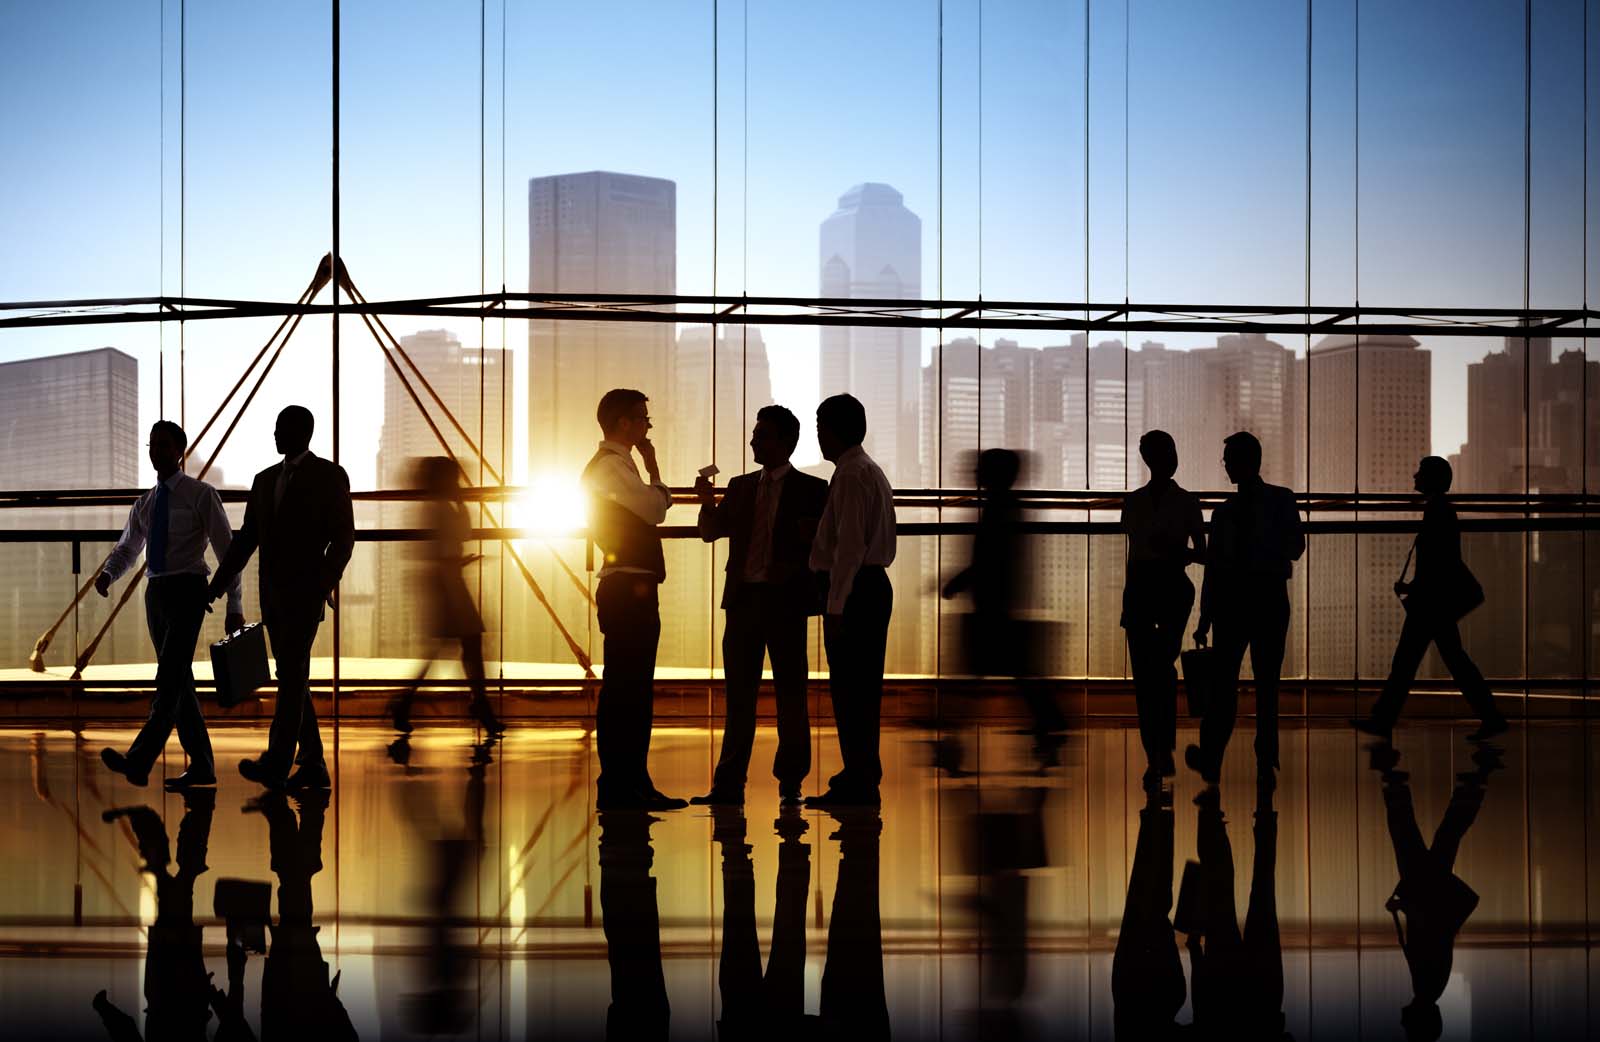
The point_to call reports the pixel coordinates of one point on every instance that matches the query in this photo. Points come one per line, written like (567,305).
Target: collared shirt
(194,517)
(616,477)
(769,490)
(857,526)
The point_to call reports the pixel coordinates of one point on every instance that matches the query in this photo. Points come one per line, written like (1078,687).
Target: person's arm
(1294,533)
(123,554)
(714,518)
(341,532)
(1195,524)
(239,550)
(615,480)
(852,498)
(1208,579)
(220,532)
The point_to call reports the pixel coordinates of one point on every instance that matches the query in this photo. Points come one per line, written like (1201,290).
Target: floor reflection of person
(1433,902)
(1008,840)
(177,988)
(854,1004)
(1147,985)
(451,613)
(631,919)
(757,1006)
(1236,979)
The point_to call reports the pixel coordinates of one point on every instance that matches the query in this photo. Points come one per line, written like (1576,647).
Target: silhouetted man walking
(854,546)
(1165,533)
(172,523)
(1441,591)
(1255,539)
(299,517)
(623,514)
(769,517)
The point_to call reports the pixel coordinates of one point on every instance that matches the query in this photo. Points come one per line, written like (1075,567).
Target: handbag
(239,664)
(1462,594)
(1199,678)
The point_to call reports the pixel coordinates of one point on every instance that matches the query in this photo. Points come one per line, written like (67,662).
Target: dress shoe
(1489,728)
(661,801)
(191,779)
(255,771)
(719,797)
(490,723)
(1373,726)
(789,795)
(845,798)
(121,765)
(309,776)
(399,713)
(1196,761)
(1165,765)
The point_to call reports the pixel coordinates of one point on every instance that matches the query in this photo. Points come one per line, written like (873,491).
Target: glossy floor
(474,891)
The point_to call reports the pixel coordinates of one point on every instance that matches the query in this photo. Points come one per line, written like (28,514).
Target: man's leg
(785,631)
(152,737)
(865,633)
(742,652)
(1141,660)
(291,652)
(1216,727)
(610,715)
(646,605)
(1447,638)
(1266,663)
(1408,652)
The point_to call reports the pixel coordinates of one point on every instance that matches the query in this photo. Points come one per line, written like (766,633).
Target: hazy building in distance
(67,421)
(472,385)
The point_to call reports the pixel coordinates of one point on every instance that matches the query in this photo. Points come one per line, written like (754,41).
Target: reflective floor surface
(462,889)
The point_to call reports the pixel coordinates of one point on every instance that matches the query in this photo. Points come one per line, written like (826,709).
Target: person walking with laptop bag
(1442,591)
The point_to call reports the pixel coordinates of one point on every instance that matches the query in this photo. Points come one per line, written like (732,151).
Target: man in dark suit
(299,516)
(769,517)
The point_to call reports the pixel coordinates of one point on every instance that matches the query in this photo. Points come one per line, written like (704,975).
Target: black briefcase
(245,906)
(239,664)
(1199,678)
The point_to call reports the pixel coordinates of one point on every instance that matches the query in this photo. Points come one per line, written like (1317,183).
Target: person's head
(1433,476)
(439,476)
(776,433)
(1160,454)
(841,425)
(167,442)
(293,432)
(998,469)
(1241,457)
(623,416)
(1422,1021)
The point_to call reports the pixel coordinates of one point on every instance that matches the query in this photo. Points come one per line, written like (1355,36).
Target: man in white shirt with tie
(172,523)
(854,546)
(624,511)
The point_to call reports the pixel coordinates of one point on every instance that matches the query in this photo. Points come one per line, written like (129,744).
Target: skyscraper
(66,421)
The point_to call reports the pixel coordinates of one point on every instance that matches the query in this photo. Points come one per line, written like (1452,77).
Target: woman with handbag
(1442,591)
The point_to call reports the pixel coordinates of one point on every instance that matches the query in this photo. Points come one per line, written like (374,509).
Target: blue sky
(763,115)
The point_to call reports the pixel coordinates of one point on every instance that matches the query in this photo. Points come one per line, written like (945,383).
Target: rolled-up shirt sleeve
(618,482)
(220,531)
(129,544)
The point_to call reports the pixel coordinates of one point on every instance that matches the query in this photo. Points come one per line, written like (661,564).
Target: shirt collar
(172,481)
(295,461)
(850,455)
(777,473)
(625,451)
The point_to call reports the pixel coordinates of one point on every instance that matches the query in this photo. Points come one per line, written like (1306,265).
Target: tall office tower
(594,232)
(1533,425)
(871,247)
(1370,422)
(472,386)
(715,403)
(66,421)
(1256,381)
(1180,388)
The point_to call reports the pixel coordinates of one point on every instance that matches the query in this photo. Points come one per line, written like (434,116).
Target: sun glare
(553,506)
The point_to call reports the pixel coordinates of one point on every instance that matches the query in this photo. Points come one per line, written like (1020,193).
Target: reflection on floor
(471,889)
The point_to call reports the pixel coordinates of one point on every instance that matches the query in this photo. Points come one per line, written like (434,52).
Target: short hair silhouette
(1247,450)
(1437,472)
(998,468)
(171,430)
(785,422)
(438,474)
(614,406)
(297,419)
(1159,451)
(845,417)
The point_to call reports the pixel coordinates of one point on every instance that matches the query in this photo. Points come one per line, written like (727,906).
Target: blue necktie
(156,554)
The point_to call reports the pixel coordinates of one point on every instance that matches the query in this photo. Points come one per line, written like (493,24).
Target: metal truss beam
(691,309)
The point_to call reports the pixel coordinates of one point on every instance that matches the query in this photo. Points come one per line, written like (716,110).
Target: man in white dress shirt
(172,523)
(853,548)
(624,511)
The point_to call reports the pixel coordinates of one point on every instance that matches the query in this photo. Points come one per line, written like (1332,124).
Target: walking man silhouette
(1255,539)
(172,523)
(854,546)
(623,514)
(769,516)
(299,517)
(1435,599)
(1165,533)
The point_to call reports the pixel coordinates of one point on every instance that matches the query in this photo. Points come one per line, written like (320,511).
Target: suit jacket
(305,541)
(799,507)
